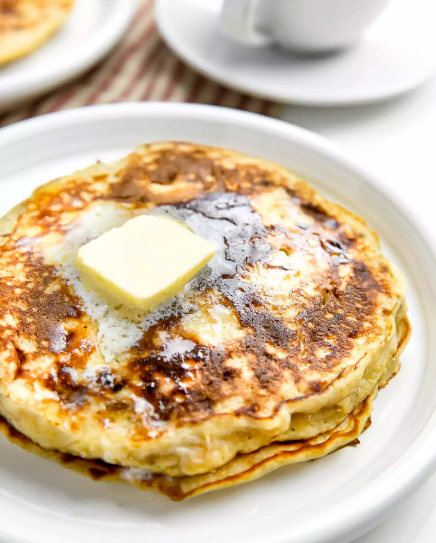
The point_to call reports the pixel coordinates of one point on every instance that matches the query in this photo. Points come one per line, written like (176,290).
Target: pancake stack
(272,355)
(26,24)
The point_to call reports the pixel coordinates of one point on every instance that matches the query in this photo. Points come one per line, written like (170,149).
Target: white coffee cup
(303,25)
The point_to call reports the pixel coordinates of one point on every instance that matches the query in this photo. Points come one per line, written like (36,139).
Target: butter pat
(144,262)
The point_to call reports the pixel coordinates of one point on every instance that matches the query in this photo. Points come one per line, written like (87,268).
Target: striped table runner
(141,68)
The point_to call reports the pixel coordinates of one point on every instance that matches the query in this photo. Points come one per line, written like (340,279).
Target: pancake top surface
(296,296)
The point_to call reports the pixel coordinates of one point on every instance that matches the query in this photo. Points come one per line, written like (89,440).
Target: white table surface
(396,141)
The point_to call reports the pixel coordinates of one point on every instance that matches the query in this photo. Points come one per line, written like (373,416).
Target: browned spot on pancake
(317,213)
(45,314)
(326,221)
(97,474)
(186,175)
(11,432)
(73,394)
(333,325)
(49,207)
(48,210)
(21,359)
(67,458)
(204,367)
(40,302)
(265,327)
(9,16)
(116,406)
(8,7)
(316,386)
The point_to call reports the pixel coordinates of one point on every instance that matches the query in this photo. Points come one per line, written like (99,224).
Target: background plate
(92,29)
(331,500)
(387,61)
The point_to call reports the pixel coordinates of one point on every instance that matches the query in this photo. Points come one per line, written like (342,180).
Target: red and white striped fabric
(141,68)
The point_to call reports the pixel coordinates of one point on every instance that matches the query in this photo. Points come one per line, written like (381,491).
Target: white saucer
(396,55)
(91,31)
(332,500)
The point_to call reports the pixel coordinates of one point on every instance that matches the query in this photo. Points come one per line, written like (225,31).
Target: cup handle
(237,22)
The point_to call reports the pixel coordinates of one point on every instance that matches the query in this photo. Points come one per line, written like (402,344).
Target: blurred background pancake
(27,24)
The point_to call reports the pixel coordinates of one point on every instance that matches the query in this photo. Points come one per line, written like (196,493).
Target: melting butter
(145,262)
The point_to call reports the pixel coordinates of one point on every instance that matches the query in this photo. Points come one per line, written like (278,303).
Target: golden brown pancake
(26,24)
(283,339)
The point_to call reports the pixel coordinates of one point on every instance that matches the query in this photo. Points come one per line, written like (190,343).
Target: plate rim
(420,459)
(196,63)
(18,87)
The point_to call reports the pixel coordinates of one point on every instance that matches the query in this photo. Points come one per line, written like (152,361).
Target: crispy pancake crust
(26,24)
(288,334)
(242,469)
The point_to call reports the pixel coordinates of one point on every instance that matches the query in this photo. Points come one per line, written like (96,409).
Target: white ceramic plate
(331,500)
(395,55)
(92,29)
